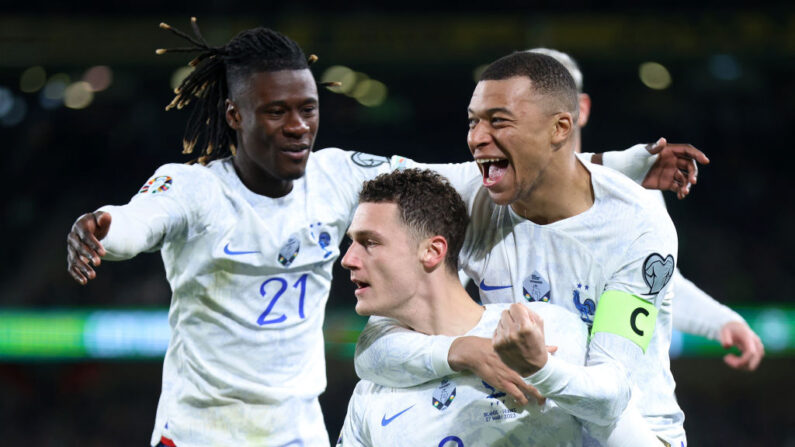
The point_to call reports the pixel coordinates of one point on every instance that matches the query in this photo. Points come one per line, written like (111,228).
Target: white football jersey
(461,410)
(624,242)
(250,277)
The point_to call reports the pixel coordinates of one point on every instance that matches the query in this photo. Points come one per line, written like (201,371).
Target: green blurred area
(53,335)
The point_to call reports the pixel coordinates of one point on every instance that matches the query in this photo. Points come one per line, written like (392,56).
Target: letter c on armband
(633,319)
(620,313)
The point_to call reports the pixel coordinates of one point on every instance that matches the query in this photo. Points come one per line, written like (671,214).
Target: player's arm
(662,165)
(392,355)
(626,315)
(121,232)
(597,394)
(697,313)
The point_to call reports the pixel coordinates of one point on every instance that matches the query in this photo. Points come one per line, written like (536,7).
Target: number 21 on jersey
(276,287)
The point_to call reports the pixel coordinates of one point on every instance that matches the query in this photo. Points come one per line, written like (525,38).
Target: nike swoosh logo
(231,252)
(487,288)
(385,421)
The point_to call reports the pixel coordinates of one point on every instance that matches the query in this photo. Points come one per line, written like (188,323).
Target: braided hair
(217,69)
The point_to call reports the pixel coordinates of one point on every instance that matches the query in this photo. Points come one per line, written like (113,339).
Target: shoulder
(335,158)
(640,208)
(192,186)
(178,174)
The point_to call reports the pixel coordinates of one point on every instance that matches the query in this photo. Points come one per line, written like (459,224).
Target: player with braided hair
(248,242)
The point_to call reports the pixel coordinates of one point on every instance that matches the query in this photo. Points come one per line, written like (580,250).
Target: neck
(258,180)
(562,190)
(441,306)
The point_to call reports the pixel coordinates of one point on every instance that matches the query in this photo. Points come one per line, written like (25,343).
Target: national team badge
(657,272)
(443,395)
(536,288)
(323,238)
(368,160)
(156,185)
(289,251)
(583,303)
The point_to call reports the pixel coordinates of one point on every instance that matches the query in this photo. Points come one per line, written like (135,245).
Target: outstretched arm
(141,225)
(137,227)
(697,313)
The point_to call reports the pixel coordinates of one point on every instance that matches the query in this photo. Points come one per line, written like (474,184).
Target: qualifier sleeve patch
(626,315)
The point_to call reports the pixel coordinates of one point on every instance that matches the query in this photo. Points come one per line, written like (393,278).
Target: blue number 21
(282,287)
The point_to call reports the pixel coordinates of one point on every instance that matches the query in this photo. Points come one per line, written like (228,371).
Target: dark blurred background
(82,121)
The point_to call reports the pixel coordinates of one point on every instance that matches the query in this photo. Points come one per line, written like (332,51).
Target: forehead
(376,217)
(512,93)
(283,85)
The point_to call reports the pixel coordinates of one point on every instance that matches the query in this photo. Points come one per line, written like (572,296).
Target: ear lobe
(233,117)
(434,252)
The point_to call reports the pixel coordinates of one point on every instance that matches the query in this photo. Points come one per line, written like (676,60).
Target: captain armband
(626,315)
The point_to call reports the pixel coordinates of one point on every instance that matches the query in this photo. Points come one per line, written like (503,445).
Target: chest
(535,265)
(465,412)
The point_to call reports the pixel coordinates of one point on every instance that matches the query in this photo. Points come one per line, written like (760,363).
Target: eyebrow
(282,103)
(363,234)
(493,110)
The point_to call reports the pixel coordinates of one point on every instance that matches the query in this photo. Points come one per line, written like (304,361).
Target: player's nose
(350,261)
(478,136)
(296,125)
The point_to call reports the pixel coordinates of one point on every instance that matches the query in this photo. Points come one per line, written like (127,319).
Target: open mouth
(492,169)
(360,285)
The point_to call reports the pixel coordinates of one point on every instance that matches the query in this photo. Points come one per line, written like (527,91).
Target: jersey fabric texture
(624,243)
(250,277)
(462,410)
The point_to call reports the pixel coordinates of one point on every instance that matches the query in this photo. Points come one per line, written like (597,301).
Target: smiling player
(248,242)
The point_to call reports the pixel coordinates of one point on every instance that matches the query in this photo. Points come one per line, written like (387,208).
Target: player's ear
(564,127)
(585,109)
(233,118)
(433,252)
